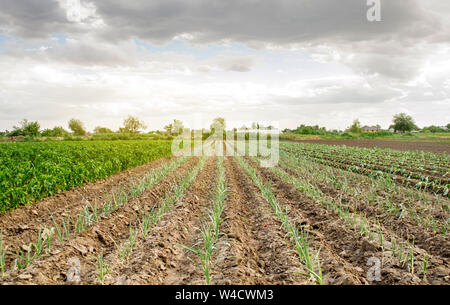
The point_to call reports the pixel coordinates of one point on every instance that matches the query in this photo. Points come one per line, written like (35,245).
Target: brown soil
(21,226)
(161,258)
(254,248)
(258,252)
(345,252)
(436,244)
(95,240)
(435,147)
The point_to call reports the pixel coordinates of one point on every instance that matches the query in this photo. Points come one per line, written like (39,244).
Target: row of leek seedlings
(34,250)
(404,256)
(298,235)
(388,185)
(87,216)
(313,192)
(149,219)
(380,182)
(210,232)
(91,213)
(390,207)
(387,203)
(152,178)
(125,249)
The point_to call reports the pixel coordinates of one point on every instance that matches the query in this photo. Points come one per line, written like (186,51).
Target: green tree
(313,130)
(218,123)
(403,123)
(100,129)
(57,131)
(177,127)
(77,127)
(168,129)
(26,128)
(355,127)
(133,125)
(448,126)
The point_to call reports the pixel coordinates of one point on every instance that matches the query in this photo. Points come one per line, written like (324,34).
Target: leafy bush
(57,131)
(312,130)
(32,171)
(346,135)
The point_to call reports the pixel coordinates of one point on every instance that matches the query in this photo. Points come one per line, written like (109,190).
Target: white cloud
(290,60)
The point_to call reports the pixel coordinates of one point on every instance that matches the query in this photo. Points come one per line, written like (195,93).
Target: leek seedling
(102,268)
(2,255)
(204,250)
(24,258)
(425,266)
(39,245)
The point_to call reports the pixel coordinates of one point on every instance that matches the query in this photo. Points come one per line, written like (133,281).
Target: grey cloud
(340,24)
(266,21)
(388,48)
(32,19)
(284,21)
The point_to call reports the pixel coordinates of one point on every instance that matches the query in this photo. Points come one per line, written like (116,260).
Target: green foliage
(26,129)
(403,122)
(177,127)
(132,125)
(129,136)
(346,135)
(312,130)
(355,127)
(174,128)
(102,130)
(435,129)
(219,124)
(32,171)
(57,131)
(77,127)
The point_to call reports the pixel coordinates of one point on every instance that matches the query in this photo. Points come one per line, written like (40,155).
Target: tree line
(131,126)
(401,123)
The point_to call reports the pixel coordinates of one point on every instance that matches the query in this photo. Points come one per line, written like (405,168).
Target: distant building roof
(370,128)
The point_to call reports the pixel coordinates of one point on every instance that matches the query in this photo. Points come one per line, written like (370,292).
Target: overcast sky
(292,61)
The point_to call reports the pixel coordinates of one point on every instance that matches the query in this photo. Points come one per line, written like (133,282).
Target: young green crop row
(69,227)
(381,194)
(403,250)
(377,163)
(424,162)
(32,171)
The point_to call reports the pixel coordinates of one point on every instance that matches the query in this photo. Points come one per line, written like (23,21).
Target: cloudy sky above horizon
(288,61)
